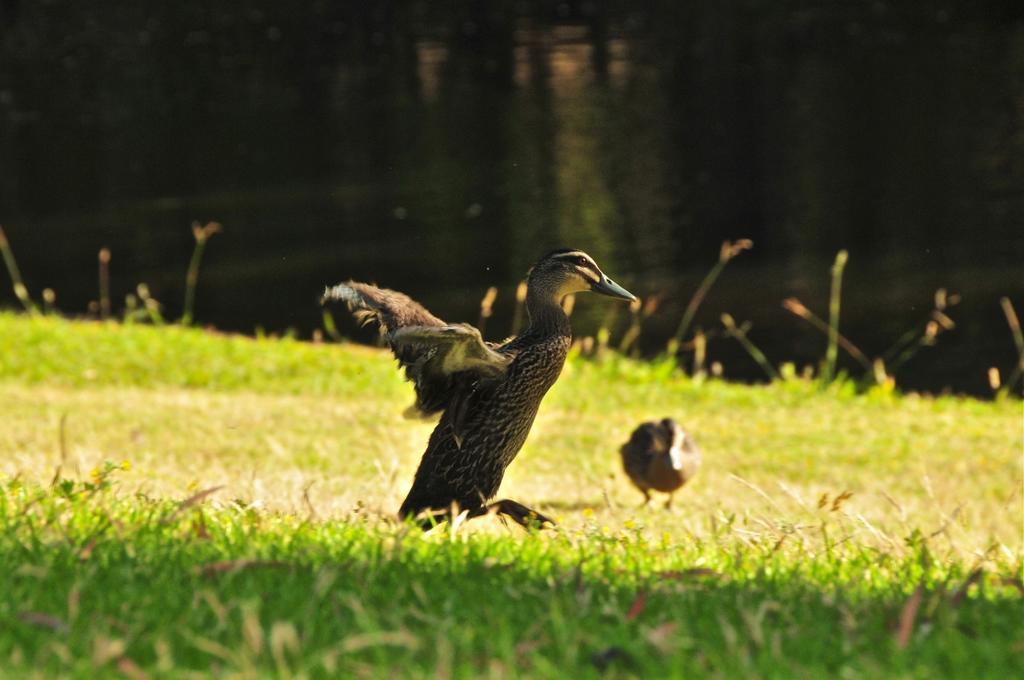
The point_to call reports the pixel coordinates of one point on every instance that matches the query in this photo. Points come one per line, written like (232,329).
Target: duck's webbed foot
(429,518)
(519,513)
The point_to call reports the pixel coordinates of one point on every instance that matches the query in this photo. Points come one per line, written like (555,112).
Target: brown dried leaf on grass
(838,501)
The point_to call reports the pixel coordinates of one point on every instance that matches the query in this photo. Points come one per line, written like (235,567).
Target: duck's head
(679,443)
(566,271)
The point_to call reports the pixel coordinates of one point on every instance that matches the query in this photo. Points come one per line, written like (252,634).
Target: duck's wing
(449,364)
(443,361)
(389,309)
(452,348)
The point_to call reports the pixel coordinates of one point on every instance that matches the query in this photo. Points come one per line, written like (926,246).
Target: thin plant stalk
(202,234)
(797,308)
(331,328)
(517,315)
(1018,339)
(49,301)
(700,349)
(641,311)
(927,339)
(728,251)
(633,332)
(150,304)
(913,340)
(104,267)
(20,290)
(832,351)
(486,308)
(740,333)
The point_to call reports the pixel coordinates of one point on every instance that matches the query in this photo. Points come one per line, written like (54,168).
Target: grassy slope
(936,491)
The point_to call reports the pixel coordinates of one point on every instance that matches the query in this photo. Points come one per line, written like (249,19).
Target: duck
(487,394)
(660,456)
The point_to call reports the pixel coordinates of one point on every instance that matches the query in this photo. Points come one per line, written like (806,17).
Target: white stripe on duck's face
(675,452)
(581,272)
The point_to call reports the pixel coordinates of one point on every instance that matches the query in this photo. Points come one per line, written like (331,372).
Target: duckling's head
(566,271)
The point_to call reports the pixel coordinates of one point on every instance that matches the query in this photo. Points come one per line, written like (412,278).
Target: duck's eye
(582,261)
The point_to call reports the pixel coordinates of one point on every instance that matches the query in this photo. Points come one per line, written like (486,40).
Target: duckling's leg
(519,513)
(647,497)
(668,503)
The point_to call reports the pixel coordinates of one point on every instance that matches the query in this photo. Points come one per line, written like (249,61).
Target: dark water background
(441,147)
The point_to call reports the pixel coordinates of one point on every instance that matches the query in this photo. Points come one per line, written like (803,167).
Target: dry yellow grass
(770,455)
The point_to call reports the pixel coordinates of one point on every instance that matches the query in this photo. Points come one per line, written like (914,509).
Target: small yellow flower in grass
(629,524)
(588,512)
(95,473)
(126,465)
(606,530)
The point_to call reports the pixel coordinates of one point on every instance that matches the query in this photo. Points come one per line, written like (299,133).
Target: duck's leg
(668,503)
(518,512)
(647,497)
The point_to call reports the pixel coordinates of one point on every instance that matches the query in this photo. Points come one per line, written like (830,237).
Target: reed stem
(104,266)
(486,308)
(740,333)
(728,251)
(150,304)
(517,315)
(832,351)
(633,332)
(797,308)
(1018,339)
(20,290)
(202,234)
(700,348)
(49,301)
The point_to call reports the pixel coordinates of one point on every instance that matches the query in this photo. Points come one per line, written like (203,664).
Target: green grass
(294,567)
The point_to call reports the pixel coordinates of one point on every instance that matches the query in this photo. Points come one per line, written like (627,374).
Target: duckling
(660,456)
(487,394)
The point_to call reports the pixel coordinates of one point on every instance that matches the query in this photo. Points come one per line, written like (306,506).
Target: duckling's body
(660,456)
(488,395)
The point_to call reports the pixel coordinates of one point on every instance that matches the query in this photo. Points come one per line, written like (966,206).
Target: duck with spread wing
(487,394)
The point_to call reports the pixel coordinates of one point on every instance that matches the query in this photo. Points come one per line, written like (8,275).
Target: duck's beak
(612,289)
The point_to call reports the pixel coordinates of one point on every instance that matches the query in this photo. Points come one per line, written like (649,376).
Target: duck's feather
(447,363)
